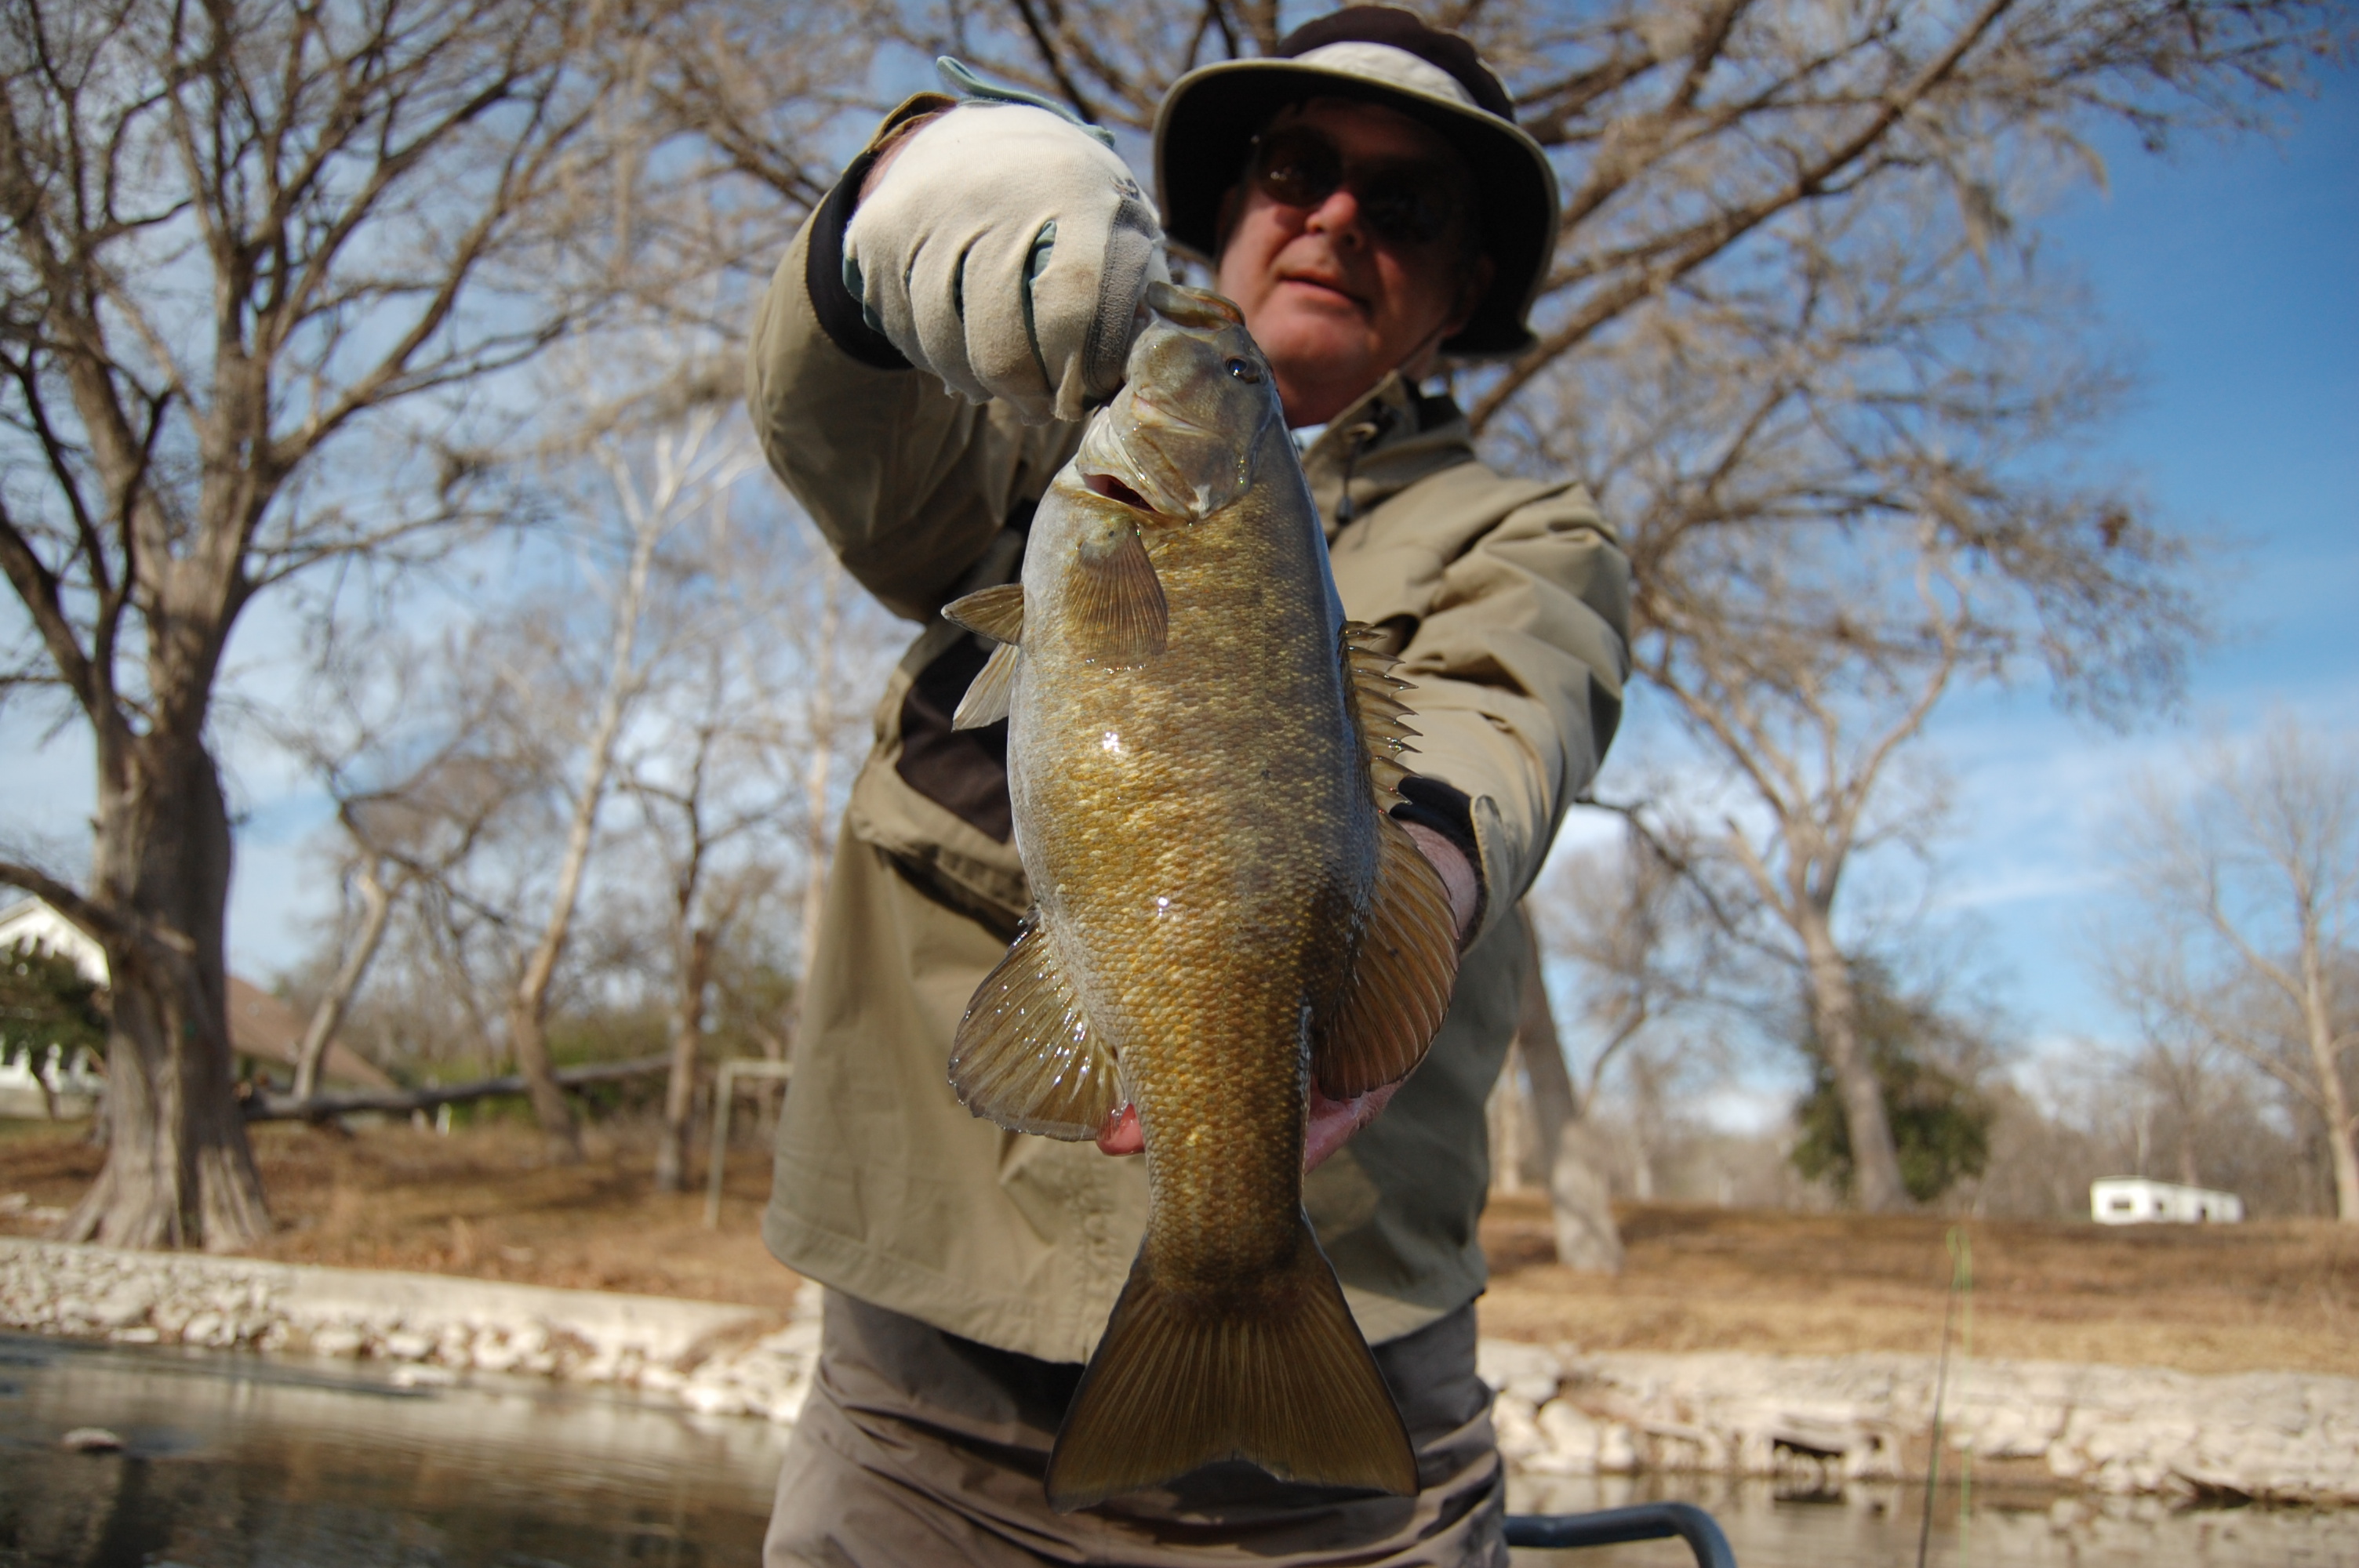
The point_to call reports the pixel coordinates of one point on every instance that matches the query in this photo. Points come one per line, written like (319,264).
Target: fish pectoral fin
(1115,601)
(1025,1056)
(996,612)
(1379,1026)
(991,693)
(1277,1375)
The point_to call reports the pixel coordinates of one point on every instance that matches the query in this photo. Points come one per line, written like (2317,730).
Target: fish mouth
(1129,468)
(1113,489)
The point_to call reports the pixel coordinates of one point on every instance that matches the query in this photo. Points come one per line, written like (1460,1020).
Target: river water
(234,1462)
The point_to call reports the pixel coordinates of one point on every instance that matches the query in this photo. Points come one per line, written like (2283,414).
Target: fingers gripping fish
(1200,756)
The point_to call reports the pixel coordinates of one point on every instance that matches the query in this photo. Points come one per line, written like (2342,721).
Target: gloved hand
(1005,249)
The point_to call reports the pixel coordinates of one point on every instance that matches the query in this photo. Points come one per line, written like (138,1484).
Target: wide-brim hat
(1205,129)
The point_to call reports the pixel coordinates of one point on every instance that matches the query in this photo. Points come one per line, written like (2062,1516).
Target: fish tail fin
(1280,1377)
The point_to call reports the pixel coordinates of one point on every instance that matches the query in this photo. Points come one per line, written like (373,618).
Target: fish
(1202,753)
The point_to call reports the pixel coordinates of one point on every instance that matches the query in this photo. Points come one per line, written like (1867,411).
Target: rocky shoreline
(1818,1423)
(1812,1423)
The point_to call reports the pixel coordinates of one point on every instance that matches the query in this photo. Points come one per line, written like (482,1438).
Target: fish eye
(1245,370)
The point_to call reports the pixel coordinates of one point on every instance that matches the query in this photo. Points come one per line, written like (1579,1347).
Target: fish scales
(1189,771)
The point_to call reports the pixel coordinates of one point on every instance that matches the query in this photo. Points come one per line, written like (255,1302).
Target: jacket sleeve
(1518,659)
(909,482)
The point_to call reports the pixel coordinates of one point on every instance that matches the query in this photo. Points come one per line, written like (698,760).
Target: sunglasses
(1402,202)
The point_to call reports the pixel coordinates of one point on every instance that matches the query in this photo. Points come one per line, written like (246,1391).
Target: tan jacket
(1509,601)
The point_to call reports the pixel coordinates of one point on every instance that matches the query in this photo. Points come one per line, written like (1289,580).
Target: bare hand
(1333,1121)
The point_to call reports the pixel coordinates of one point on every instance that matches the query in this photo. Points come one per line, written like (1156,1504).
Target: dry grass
(2279,1294)
(483,1202)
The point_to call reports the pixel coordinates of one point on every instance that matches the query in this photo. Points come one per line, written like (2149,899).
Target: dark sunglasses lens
(1404,204)
(1298,171)
(1407,206)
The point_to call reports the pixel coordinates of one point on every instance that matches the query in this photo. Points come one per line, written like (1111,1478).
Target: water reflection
(1878,1525)
(237,1463)
(231,1460)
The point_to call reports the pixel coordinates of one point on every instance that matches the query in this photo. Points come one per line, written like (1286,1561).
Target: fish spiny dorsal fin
(1025,1055)
(996,612)
(1382,715)
(992,692)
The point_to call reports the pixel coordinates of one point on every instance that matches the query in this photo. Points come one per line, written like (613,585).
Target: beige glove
(1005,249)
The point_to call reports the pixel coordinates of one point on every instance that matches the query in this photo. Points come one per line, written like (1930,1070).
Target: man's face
(1335,303)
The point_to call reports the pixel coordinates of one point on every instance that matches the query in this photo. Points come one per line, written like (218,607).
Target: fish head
(1183,436)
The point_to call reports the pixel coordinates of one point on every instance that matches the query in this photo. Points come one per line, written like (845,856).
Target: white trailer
(2134,1200)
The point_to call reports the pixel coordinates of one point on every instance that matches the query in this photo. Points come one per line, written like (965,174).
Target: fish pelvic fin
(996,612)
(1280,1377)
(992,692)
(1389,1009)
(1025,1055)
(1118,615)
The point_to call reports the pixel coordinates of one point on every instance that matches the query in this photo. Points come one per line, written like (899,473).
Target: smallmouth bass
(1200,756)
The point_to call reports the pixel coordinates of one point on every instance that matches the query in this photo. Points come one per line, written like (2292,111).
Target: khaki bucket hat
(1205,129)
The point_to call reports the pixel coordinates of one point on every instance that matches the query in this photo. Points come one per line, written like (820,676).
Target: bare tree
(710,783)
(237,238)
(1646,958)
(1835,520)
(2248,894)
(683,466)
(377,896)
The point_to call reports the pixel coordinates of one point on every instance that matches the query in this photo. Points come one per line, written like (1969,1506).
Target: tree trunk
(1579,1198)
(1507,1119)
(178,1170)
(528,1009)
(2334,1101)
(329,1016)
(819,721)
(529,1040)
(1875,1160)
(687,1037)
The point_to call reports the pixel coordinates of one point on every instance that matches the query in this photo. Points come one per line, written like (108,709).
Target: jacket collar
(1392,438)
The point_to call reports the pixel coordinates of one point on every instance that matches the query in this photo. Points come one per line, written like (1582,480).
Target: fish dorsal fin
(996,612)
(1025,1055)
(1385,1015)
(1116,604)
(993,690)
(1383,716)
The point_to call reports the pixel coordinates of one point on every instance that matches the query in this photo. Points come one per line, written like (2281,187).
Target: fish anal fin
(1025,1055)
(1377,1029)
(994,613)
(1116,611)
(1279,1376)
(989,694)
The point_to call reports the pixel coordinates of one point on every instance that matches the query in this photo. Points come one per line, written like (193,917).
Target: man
(959,301)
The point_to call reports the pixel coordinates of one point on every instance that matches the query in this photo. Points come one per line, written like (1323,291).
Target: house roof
(260,1025)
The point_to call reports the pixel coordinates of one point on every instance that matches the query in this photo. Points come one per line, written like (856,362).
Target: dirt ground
(2281,1295)
(483,1202)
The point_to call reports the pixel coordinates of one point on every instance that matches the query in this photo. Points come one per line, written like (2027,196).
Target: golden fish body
(1224,909)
